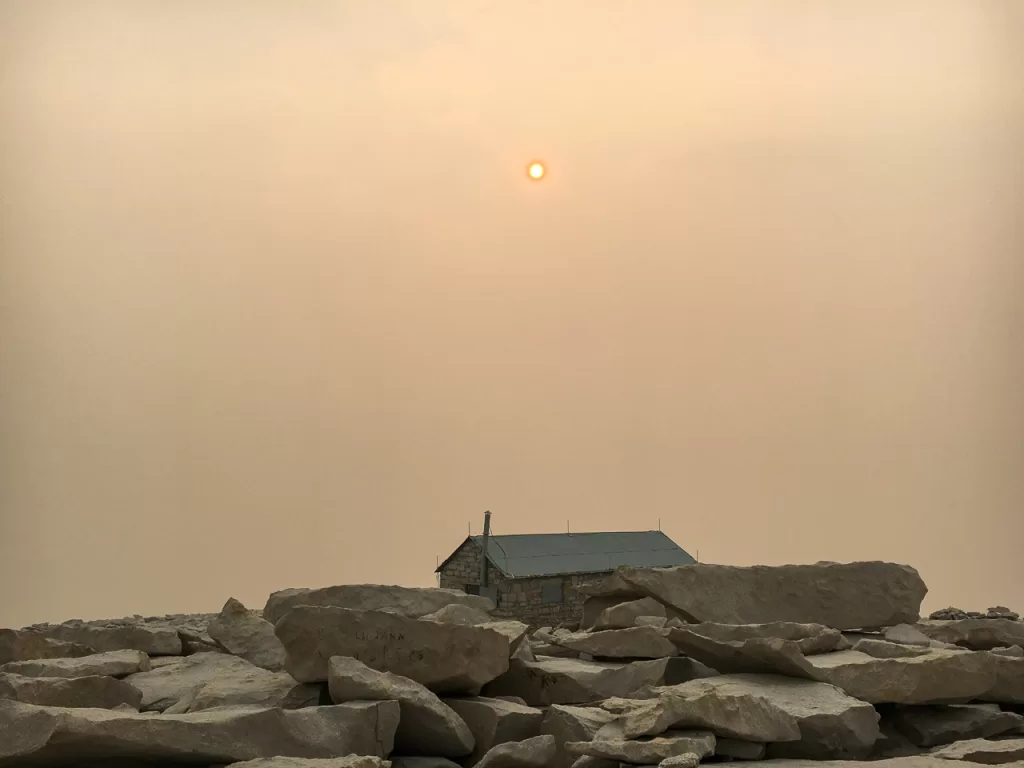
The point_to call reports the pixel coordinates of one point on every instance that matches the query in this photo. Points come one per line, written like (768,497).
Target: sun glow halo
(536,171)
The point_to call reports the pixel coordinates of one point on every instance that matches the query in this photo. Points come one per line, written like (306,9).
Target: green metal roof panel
(547,554)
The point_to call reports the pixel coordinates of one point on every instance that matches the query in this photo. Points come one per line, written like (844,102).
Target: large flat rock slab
(446,658)
(112,664)
(832,724)
(252,687)
(23,645)
(837,595)
(934,726)
(646,751)
(550,680)
(624,615)
(1009,684)
(242,633)
(936,677)
(151,639)
(756,654)
(169,681)
(983,751)
(56,737)
(100,692)
(413,602)
(976,634)
(631,643)
(914,761)
(428,727)
(495,721)
(809,638)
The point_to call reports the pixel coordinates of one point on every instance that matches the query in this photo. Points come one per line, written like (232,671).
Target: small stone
(688,760)
(537,752)
(983,751)
(624,615)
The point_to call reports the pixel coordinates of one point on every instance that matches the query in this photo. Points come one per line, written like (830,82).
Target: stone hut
(532,577)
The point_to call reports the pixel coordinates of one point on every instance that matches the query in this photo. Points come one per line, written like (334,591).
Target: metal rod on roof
(483,555)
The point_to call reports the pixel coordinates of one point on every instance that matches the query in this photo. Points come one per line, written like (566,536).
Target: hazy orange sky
(279,307)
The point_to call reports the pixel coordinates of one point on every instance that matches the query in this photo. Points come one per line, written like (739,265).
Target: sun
(536,171)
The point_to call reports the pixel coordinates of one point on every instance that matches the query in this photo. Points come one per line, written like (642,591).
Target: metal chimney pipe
(483,554)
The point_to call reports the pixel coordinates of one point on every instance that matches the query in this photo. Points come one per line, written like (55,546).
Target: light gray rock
(537,752)
(567,723)
(907,635)
(457,613)
(832,724)
(571,681)
(427,727)
(247,635)
(25,645)
(737,749)
(976,634)
(935,678)
(647,751)
(1009,683)
(631,643)
(689,760)
(748,715)
(349,761)
(883,649)
(57,736)
(96,691)
(809,638)
(112,664)
(983,751)
(757,654)
(657,622)
(166,683)
(524,652)
(515,631)
(624,615)
(935,726)
(151,639)
(254,686)
(406,601)
(495,721)
(446,658)
(838,595)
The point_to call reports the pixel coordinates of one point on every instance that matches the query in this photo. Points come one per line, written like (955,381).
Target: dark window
(551,592)
(471,589)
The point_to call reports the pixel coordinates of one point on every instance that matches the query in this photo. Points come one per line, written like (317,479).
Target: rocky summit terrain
(802,666)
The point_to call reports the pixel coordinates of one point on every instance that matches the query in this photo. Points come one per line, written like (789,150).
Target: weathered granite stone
(883,649)
(983,751)
(166,683)
(934,726)
(567,724)
(349,761)
(495,721)
(976,634)
(832,724)
(406,601)
(1009,681)
(95,691)
(571,681)
(838,595)
(515,631)
(112,664)
(427,727)
(748,715)
(907,635)
(242,633)
(254,686)
(935,678)
(647,751)
(809,638)
(457,613)
(536,752)
(24,645)
(624,615)
(689,760)
(57,736)
(757,654)
(631,643)
(154,640)
(915,761)
(446,658)
(657,622)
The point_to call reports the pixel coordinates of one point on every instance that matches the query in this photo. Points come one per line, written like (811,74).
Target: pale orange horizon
(279,306)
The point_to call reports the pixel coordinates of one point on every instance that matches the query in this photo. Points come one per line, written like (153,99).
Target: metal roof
(547,554)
